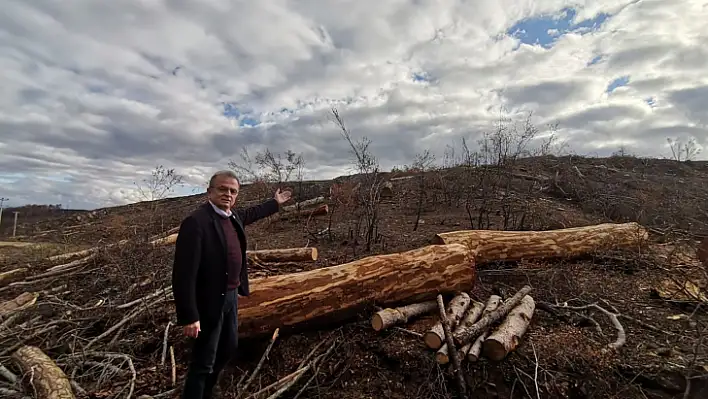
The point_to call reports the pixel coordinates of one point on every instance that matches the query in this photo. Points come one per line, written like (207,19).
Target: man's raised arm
(264,209)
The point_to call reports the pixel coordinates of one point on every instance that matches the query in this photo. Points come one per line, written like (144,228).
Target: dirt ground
(563,354)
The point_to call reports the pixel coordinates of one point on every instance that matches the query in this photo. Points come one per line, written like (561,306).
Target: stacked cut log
(493,329)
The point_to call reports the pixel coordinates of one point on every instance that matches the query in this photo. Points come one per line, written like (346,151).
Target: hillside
(563,354)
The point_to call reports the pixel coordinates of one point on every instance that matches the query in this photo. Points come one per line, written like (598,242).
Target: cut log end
(433,340)
(381,319)
(391,316)
(507,336)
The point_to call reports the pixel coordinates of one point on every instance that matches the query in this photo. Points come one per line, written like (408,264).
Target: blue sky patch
(244,119)
(420,77)
(545,29)
(619,82)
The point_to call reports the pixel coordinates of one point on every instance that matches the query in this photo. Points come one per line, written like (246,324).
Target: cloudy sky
(96,94)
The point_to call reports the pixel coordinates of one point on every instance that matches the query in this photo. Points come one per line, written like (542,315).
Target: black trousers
(211,350)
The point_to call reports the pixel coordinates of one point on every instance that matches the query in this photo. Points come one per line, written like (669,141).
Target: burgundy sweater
(233,253)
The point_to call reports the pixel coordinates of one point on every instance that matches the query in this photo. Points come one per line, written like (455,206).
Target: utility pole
(2,201)
(14,227)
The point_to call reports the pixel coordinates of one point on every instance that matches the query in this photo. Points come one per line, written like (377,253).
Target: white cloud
(94,94)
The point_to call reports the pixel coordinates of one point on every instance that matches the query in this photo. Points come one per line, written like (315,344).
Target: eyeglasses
(225,190)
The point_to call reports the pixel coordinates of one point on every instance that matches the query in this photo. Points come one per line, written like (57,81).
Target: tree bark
(494,245)
(506,337)
(335,294)
(305,254)
(303,204)
(48,380)
(474,349)
(22,301)
(465,335)
(388,317)
(435,337)
(474,311)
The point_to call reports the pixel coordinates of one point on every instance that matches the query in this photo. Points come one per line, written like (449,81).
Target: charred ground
(562,355)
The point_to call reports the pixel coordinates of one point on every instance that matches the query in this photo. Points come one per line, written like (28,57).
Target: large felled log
(305,254)
(465,335)
(388,317)
(507,336)
(492,245)
(333,294)
(303,204)
(48,380)
(456,309)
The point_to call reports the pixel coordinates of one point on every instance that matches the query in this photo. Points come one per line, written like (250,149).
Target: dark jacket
(199,273)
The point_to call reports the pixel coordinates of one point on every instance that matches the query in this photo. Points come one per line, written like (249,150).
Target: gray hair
(225,172)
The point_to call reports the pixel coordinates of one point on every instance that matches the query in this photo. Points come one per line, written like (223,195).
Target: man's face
(224,192)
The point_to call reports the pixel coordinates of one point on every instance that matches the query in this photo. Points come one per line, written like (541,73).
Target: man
(208,275)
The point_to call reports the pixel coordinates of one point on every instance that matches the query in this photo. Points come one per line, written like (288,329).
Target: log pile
(406,284)
(493,328)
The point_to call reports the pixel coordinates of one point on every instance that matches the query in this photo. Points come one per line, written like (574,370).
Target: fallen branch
(259,365)
(621,336)
(447,330)
(164,344)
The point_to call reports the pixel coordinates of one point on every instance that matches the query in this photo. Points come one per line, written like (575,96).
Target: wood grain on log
(388,317)
(48,380)
(506,337)
(336,293)
(22,301)
(456,309)
(305,254)
(465,335)
(493,245)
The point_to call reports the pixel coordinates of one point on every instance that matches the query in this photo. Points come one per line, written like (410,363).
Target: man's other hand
(192,330)
(283,196)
